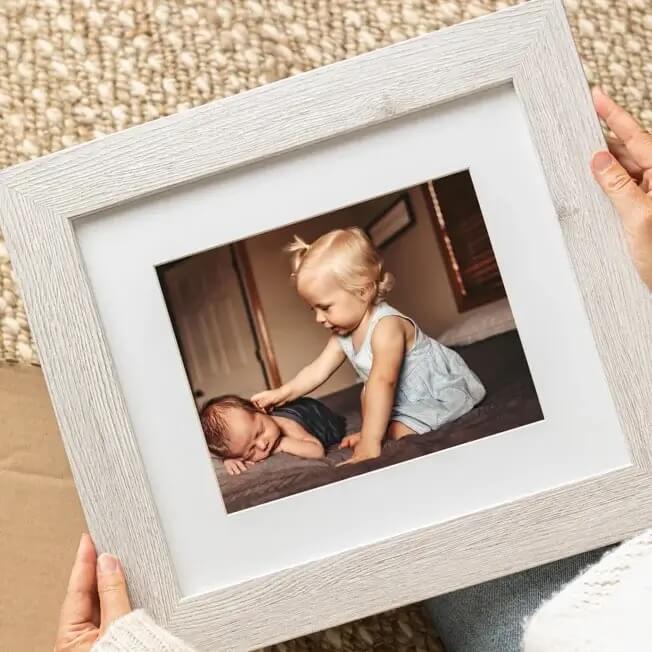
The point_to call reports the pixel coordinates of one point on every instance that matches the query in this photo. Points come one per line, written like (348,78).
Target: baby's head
(340,275)
(235,429)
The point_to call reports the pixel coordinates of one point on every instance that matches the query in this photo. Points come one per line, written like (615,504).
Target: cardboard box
(40,515)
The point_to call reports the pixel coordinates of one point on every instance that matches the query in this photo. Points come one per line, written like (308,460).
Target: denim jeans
(489,617)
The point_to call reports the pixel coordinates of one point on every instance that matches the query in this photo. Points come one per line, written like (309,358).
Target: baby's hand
(364,450)
(350,441)
(236,466)
(270,398)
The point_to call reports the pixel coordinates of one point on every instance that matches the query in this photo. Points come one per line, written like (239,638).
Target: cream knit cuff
(605,609)
(137,632)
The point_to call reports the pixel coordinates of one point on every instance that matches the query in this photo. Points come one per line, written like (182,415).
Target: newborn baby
(242,435)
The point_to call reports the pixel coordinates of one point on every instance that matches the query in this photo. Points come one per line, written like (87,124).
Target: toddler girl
(412,384)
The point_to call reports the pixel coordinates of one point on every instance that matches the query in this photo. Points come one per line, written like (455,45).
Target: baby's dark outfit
(320,421)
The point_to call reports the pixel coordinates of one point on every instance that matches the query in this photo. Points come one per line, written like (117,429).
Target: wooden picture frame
(380,230)
(582,501)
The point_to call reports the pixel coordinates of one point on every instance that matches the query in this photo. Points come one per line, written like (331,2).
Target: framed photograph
(156,273)
(391,223)
(238,322)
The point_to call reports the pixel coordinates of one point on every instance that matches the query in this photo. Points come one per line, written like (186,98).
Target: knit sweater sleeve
(137,632)
(606,608)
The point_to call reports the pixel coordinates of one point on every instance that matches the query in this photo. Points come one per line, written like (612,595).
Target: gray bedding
(511,402)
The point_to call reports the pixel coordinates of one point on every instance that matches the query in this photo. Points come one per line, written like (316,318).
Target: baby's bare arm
(308,447)
(296,440)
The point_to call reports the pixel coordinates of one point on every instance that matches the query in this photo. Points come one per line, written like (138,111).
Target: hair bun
(385,284)
(298,248)
(298,245)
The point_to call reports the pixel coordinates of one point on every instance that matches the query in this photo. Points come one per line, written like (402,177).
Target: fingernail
(602,161)
(598,90)
(84,540)
(107,563)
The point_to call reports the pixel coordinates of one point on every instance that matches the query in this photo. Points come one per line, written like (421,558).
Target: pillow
(479,324)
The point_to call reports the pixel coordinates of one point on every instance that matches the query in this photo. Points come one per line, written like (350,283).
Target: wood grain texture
(528,46)
(87,399)
(420,564)
(615,299)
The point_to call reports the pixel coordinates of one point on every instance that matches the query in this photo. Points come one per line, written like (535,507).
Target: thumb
(628,198)
(112,589)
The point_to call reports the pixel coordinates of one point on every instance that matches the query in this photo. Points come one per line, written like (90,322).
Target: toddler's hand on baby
(269,398)
(364,450)
(350,441)
(236,466)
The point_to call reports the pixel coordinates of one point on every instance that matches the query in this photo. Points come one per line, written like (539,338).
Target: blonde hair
(349,256)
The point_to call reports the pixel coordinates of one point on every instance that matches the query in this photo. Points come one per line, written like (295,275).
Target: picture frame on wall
(155,261)
(389,225)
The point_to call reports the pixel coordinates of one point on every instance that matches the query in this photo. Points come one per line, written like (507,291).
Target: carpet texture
(74,70)
(400,630)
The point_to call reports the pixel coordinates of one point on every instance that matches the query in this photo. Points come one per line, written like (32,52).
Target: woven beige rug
(74,70)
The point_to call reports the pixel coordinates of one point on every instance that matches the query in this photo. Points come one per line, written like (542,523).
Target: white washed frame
(529,46)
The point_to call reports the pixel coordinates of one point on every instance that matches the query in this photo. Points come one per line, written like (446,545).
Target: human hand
(236,466)
(365,449)
(96,596)
(626,176)
(350,441)
(270,398)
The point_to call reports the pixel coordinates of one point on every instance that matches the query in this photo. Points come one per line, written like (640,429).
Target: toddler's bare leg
(398,430)
(395,430)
